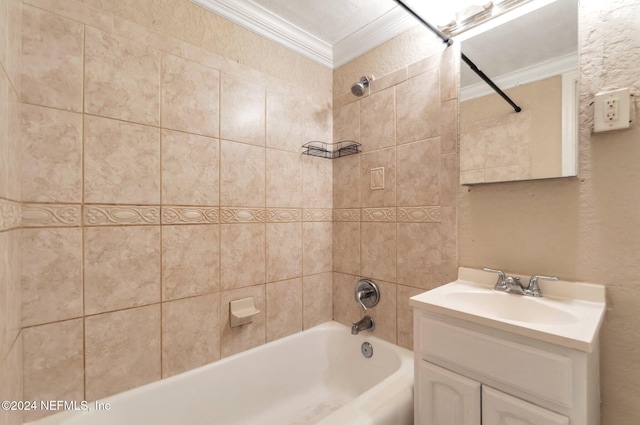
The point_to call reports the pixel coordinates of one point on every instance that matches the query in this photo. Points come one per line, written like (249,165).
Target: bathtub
(318,376)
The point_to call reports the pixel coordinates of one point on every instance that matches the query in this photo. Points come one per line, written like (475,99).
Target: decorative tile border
(111,215)
(10,215)
(317,214)
(419,214)
(48,215)
(280,215)
(242,215)
(190,215)
(379,214)
(346,214)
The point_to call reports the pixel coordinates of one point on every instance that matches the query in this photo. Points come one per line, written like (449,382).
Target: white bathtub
(318,376)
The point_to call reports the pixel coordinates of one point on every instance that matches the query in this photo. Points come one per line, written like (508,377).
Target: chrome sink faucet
(512,284)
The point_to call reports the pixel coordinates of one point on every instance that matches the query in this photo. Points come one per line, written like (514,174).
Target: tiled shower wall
(403,234)
(10,314)
(160,182)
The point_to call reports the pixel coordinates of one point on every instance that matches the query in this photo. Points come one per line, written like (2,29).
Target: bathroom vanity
(488,357)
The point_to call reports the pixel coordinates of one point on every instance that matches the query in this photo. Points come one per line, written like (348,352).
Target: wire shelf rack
(331,150)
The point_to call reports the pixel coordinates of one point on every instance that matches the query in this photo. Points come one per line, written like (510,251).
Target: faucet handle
(533,288)
(500,284)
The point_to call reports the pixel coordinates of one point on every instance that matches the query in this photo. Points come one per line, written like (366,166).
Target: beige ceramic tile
(317,177)
(4,34)
(317,246)
(53,364)
(4,315)
(13,64)
(378,120)
(122,351)
(419,173)
(449,126)
(51,275)
(405,315)
(346,175)
(52,60)
(51,155)
(384,194)
(241,338)
(122,78)
(317,296)
(449,73)
(284,251)
(14,127)
(346,123)
(76,11)
(104,5)
(284,308)
(14,375)
(419,253)
(242,111)
(318,121)
(346,247)
(190,169)
(190,260)
(285,122)
(345,308)
(379,251)
(12,266)
(4,133)
(449,234)
(418,108)
(121,162)
(283,179)
(242,255)
(242,175)
(121,267)
(190,96)
(190,333)
(384,314)
(448,179)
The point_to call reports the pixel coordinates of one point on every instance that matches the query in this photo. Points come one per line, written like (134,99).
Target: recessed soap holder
(242,312)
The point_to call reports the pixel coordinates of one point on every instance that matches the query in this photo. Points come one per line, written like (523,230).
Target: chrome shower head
(358,88)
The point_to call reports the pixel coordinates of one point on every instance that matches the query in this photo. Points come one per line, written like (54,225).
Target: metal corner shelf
(331,150)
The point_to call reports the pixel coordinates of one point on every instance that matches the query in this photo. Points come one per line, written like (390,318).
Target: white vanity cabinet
(470,374)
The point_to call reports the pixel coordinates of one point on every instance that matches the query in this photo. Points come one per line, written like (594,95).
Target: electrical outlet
(611,110)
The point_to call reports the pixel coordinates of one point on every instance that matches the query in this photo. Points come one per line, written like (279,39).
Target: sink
(568,314)
(511,307)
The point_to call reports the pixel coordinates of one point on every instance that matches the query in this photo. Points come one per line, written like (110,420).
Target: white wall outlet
(612,110)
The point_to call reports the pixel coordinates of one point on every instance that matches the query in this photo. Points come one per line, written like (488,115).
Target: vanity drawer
(532,370)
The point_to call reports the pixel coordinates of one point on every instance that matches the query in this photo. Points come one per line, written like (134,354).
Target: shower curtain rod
(449,41)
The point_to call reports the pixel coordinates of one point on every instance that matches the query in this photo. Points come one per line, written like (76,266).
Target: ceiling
(334,32)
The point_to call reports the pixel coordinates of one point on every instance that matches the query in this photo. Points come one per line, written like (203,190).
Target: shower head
(358,88)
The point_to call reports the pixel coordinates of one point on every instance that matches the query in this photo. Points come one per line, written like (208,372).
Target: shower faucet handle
(367,294)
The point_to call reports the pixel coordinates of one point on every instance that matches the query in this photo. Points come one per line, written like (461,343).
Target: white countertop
(569,314)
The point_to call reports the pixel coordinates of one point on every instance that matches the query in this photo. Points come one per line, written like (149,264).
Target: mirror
(533,58)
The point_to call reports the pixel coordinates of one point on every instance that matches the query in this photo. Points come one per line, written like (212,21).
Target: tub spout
(365,324)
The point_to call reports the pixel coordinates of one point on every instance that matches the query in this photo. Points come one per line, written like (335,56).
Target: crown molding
(522,76)
(267,24)
(271,26)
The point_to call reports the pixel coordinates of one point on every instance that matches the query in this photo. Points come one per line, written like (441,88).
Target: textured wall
(402,235)
(161,181)
(586,228)
(10,196)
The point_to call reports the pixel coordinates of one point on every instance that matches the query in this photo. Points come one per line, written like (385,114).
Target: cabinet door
(445,398)
(501,409)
